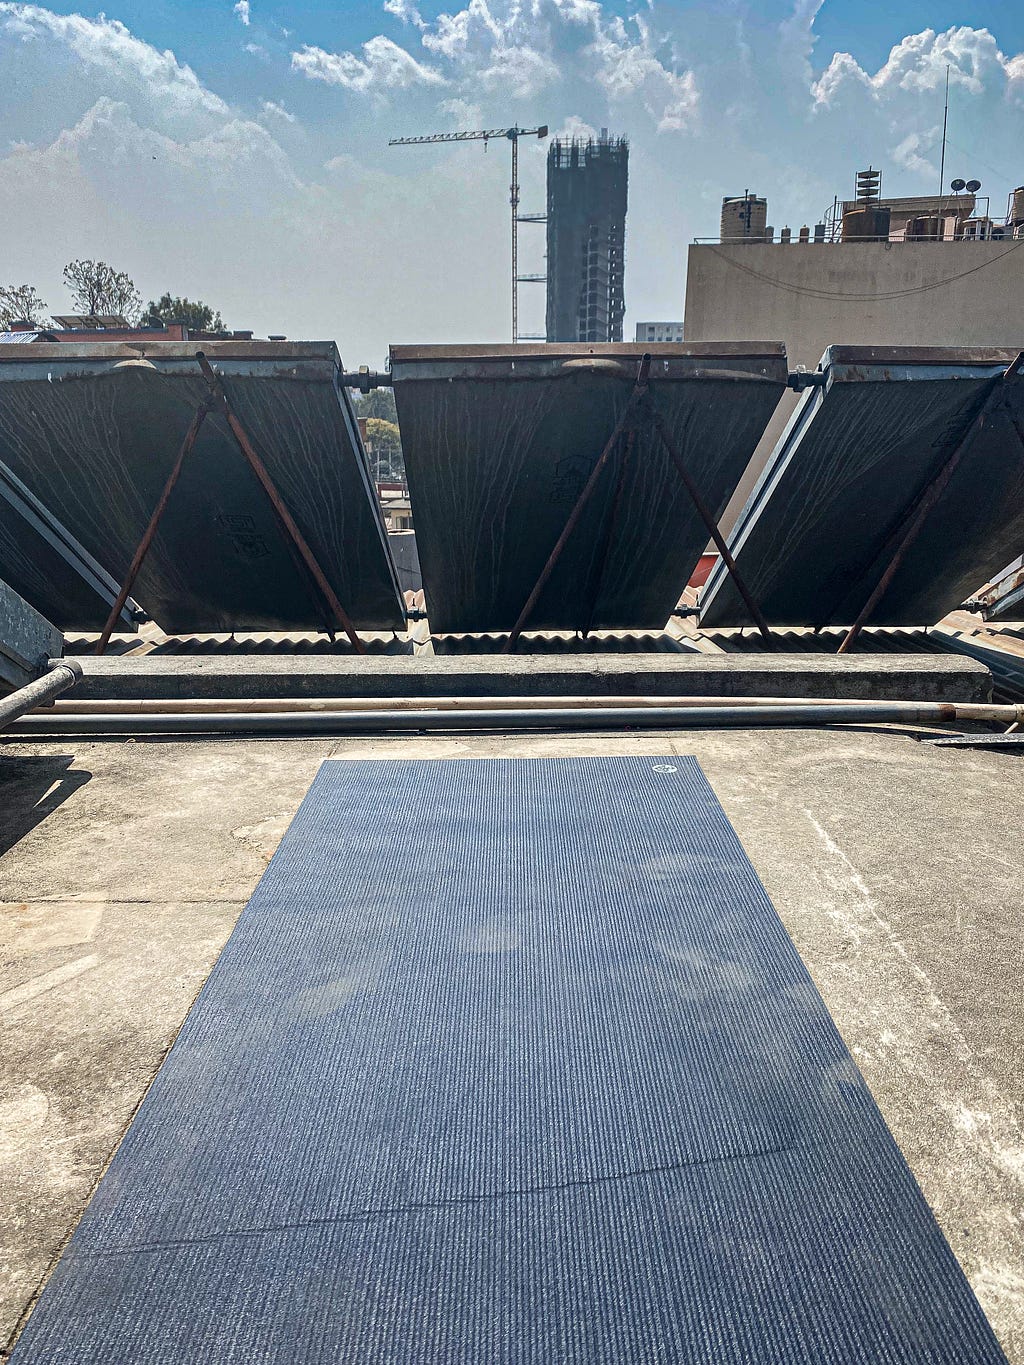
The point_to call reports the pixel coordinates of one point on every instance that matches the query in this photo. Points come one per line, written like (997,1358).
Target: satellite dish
(957,185)
(974,186)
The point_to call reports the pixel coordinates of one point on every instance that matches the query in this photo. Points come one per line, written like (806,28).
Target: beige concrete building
(950,293)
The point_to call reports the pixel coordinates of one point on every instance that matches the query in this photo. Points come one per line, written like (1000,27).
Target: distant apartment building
(586,233)
(923,271)
(659,331)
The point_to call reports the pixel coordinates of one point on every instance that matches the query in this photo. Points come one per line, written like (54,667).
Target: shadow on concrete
(31,788)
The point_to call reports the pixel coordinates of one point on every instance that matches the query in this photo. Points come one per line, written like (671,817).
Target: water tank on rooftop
(744,218)
(927,228)
(1017,207)
(866,224)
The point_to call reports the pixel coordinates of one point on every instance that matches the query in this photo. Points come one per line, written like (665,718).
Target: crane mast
(512,135)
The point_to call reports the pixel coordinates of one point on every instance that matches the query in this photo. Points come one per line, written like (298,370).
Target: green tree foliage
(20,303)
(98,290)
(384,450)
(378,403)
(196,315)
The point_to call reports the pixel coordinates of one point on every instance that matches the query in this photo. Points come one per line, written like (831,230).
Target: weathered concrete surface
(885,677)
(898,868)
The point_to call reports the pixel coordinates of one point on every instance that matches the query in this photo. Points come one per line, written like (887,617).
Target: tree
(20,303)
(378,403)
(98,290)
(196,315)
(384,447)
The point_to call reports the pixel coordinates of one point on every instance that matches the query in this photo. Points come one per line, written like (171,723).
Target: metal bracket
(365,379)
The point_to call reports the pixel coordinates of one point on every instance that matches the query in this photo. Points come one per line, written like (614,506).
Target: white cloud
(467,114)
(631,67)
(523,48)
(518,70)
(272,109)
(403,10)
(110,49)
(908,153)
(383,66)
(244,11)
(917,65)
(576,127)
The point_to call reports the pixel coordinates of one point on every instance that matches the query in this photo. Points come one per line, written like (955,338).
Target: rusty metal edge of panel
(172,350)
(612,363)
(581,350)
(919,355)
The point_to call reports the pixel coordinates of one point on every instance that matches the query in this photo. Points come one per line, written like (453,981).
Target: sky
(237,151)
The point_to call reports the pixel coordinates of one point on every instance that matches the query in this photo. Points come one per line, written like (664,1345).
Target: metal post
(514,198)
(257,466)
(927,501)
(639,390)
(191,436)
(712,529)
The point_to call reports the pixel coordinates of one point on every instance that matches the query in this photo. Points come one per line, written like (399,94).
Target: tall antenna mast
(945,120)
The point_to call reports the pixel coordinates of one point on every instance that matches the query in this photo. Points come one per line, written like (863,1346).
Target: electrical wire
(863,297)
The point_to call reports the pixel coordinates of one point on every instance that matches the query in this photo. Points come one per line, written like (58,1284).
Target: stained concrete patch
(897,868)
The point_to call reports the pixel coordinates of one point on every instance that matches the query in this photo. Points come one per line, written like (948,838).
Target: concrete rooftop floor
(897,868)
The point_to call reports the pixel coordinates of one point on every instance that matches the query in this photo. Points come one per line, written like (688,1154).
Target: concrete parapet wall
(874,677)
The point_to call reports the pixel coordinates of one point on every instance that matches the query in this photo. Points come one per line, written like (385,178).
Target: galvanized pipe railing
(62,674)
(565,718)
(151,706)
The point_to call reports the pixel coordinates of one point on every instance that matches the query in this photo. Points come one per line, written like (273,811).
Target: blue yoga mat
(509,1061)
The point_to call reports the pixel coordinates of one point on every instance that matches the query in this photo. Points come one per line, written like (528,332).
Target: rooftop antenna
(945,120)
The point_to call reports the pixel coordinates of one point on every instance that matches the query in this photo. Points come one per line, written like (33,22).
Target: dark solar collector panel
(821,525)
(509,1061)
(93,430)
(43,562)
(500,440)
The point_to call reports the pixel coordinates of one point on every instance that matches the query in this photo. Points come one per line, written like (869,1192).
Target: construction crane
(512,135)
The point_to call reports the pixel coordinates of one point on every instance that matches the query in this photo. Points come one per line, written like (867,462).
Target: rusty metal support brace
(191,436)
(220,401)
(926,502)
(606,539)
(626,417)
(712,528)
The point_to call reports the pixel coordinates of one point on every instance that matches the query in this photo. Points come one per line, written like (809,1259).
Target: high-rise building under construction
(587,183)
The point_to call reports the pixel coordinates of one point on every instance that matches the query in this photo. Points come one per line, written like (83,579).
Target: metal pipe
(62,674)
(212,706)
(577,718)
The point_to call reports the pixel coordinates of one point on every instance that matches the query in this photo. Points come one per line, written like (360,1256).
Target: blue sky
(237,151)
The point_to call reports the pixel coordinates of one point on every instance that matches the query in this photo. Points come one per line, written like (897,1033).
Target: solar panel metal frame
(500,440)
(27,640)
(93,429)
(824,518)
(46,565)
